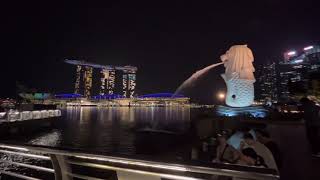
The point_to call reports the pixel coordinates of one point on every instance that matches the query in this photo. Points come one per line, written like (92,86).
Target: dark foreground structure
(145,148)
(69,164)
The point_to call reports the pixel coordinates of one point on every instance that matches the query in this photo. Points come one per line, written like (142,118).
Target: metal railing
(69,164)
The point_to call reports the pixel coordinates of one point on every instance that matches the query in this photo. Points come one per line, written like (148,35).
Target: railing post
(61,167)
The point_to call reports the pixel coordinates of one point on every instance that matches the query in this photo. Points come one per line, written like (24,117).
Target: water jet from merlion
(239,79)
(191,80)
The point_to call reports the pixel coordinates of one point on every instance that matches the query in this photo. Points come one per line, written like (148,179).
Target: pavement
(298,162)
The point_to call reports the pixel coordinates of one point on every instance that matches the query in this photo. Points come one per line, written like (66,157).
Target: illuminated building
(78,78)
(296,69)
(161,99)
(267,82)
(152,100)
(128,83)
(67,96)
(288,55)
(87,81)
(125,85)
(309,55)
(104,75)
(131,84)
(84,78)
(107,81)
(291,76)
(83,83)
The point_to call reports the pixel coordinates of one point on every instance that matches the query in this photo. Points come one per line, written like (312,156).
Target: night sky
(166,41)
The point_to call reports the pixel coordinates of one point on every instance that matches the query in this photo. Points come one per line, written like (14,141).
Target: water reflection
(170,118)
(118,129)
(47,139)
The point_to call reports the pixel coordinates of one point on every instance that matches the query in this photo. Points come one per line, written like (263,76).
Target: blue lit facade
(162,95)
(68,96)
(108,96)
(251,111)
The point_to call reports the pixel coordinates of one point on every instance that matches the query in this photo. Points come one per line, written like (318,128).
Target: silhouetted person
(250,157)
(261,150)
(225,152)
(312,123)
(264,138)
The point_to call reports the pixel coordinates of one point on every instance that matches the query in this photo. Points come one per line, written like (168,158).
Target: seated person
(260,149)
(237,137)
(249,157)
(225,152)
(264,138)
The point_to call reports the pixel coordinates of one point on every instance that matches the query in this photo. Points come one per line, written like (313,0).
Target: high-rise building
(87,81)
(296,69)
(266,82)
(83,82)
(128,83)
(125,85)
(104,75)
(107,81)
(107,86)
(78,80)
(292,78)
(131,84)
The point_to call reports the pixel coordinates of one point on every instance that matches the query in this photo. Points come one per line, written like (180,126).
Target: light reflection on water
(120,130)
(48,139)
(116,129)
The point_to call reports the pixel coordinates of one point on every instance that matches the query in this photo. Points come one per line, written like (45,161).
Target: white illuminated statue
(239,76)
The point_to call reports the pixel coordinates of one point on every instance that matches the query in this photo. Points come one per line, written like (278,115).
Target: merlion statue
(239,76)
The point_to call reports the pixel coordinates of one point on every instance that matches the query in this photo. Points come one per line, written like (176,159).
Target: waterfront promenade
(122,130)
(298,164)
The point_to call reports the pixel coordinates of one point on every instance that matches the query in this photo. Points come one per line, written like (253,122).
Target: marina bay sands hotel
(84,78)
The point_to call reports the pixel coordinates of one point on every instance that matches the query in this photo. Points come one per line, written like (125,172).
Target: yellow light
(221,95)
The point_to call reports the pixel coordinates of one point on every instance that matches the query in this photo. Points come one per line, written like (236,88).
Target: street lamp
(221,97)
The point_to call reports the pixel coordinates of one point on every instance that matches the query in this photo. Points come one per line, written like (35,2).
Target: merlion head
(239,76)
(238,60)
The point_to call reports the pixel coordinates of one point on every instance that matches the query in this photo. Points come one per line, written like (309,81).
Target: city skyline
(158,39)
(296,74)
(160,90)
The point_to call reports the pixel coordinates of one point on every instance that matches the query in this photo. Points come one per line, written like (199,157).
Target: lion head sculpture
(239,76)
(238,61)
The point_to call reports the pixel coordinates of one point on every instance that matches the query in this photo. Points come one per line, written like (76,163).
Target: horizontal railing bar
(13,147)
(26,154)
(82,176)
(18,175)
(106,167)
(137,163)
(229,170)
(232,173)
(194,169)
(29,166)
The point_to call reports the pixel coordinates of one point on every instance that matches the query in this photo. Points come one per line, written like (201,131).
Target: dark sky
(166,41)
